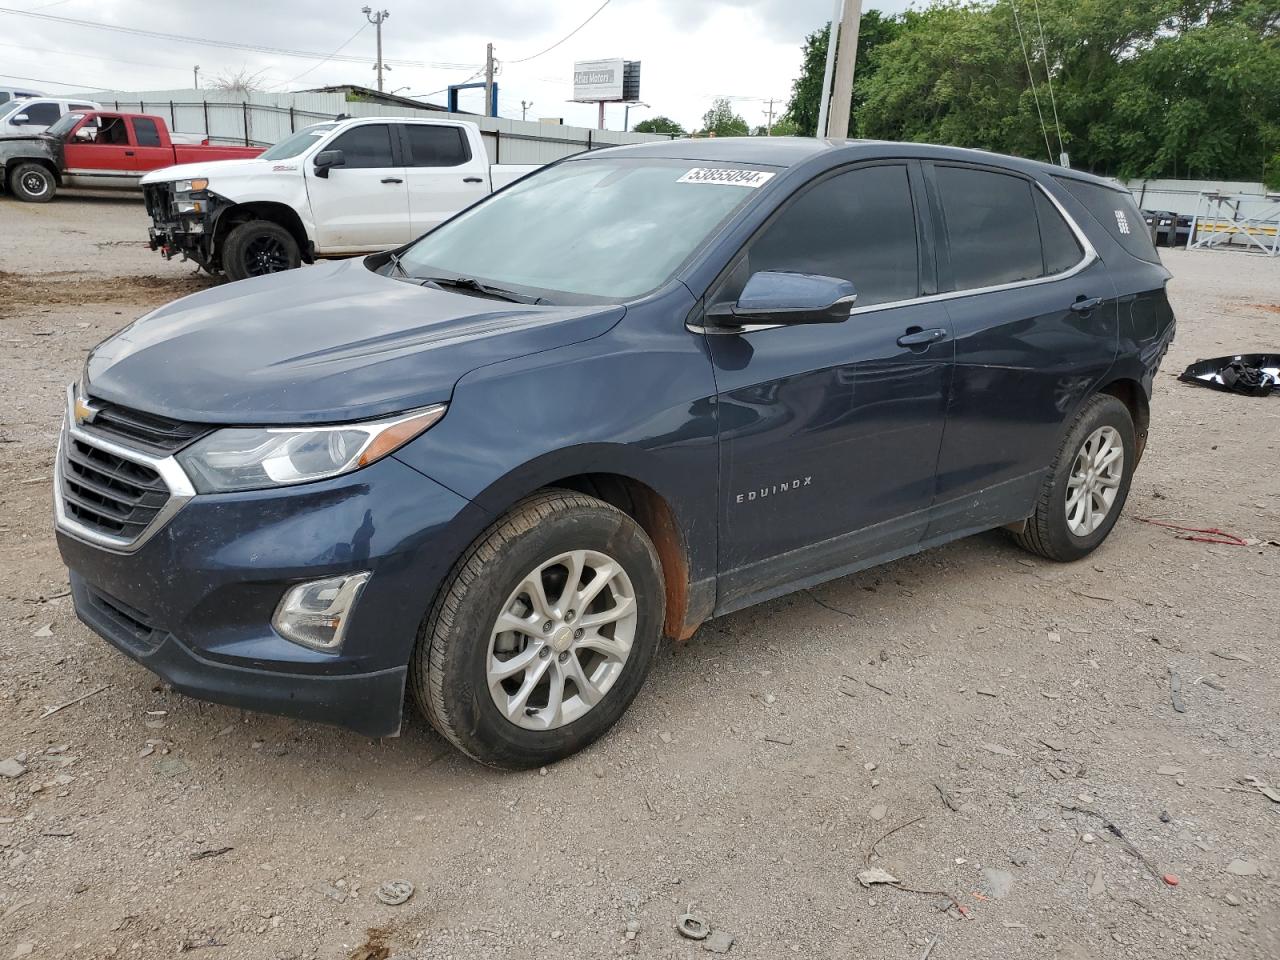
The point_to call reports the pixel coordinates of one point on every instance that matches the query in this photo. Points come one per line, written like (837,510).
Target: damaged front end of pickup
(184,218)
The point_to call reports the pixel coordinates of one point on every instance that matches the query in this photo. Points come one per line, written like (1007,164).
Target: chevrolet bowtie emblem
(83,412)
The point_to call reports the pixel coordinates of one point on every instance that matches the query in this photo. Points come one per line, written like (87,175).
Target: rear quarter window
(1117,214)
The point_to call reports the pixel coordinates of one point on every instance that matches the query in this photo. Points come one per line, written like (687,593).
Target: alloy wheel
(265,254)
(562,640)
(1095,481)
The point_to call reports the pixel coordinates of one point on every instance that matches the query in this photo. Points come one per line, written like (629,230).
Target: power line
(84,56)
(565,37)
(362,29)
(56,83)
(227,44)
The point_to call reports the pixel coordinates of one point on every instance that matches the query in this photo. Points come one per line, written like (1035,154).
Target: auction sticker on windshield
(735,178)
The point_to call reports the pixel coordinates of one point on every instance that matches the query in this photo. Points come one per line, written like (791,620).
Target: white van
(17,93)
(23,118)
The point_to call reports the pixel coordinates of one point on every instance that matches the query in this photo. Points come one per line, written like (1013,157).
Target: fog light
(315,614)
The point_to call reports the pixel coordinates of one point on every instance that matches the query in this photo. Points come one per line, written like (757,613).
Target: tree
(659,125)
(240,81)
(874,29)
(721,121)
(1163,88)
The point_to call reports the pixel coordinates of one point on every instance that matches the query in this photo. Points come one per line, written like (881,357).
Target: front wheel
(257,248)
(1086,488)
(544,632)
(33,183)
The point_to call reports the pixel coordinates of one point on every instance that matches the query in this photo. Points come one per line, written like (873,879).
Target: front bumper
(194,602)
(173,234)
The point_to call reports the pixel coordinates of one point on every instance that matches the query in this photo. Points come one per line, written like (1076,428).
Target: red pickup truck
(99,150)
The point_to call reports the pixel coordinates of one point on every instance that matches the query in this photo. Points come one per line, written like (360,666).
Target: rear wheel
(1081,498)
(33,182)
(544,632)
(257,248)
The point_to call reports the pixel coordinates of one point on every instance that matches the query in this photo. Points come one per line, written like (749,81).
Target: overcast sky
(691,50)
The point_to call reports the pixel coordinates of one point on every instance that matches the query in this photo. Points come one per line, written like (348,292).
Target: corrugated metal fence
(265,118)
(1183,196)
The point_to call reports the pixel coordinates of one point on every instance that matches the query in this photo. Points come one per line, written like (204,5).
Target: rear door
(829,432)
(442,174)
(364,204)
(150,152)
(1033,311)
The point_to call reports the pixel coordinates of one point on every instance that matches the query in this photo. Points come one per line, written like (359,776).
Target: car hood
(208,169)
(323,344)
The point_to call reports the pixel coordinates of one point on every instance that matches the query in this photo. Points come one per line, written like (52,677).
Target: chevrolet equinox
(636,389)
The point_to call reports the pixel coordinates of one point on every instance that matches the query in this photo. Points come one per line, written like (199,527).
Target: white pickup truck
(330,190)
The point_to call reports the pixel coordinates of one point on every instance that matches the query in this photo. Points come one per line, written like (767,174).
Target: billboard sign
(596,80)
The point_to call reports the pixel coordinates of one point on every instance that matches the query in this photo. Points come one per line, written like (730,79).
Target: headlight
(252,458)
(187,186)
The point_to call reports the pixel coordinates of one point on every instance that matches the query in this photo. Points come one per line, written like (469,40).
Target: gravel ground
(937,718)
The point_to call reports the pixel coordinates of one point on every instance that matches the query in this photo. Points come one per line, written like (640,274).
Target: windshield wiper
(472,284)
(395,262)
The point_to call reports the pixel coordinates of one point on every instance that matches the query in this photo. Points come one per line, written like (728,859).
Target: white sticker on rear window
(734,178)
(1122,221)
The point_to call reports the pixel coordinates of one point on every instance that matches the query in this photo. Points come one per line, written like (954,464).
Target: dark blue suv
(637,389)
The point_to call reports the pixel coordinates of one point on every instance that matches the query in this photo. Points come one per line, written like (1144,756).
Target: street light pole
(626,113)
(376,19)
(195,75)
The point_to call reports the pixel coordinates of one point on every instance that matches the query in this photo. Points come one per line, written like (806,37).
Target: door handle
(473,180)
(392,180)
(917,337)
(128,153)
(1086,304)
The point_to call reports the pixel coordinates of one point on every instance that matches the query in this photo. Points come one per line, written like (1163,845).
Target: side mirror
(787,298)
(86,134)
(20,119)
(326,160)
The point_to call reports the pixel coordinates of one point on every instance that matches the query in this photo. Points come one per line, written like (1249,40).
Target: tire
(1051,532)
(459,643)
(257,248)
(33,183)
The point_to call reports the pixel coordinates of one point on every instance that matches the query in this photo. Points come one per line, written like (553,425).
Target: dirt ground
(938,718)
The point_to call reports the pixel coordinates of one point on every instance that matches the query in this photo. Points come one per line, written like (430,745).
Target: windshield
(11,107)
(295,144)
(64,124)
(611,229)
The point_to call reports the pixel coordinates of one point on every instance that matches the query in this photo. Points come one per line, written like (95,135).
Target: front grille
(108,493)
(158,197)
(151,432)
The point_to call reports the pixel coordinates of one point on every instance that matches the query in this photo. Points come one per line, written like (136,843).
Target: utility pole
(376,19)
(825,99)
(768,129)
(525,107)
(195,74)
(488,81)
(846,56)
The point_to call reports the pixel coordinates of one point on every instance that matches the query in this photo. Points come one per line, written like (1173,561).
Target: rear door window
(1062,250)
(432,146)
(1118,214)
(146,132)
(366,146)
(991,227)
(859,226)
